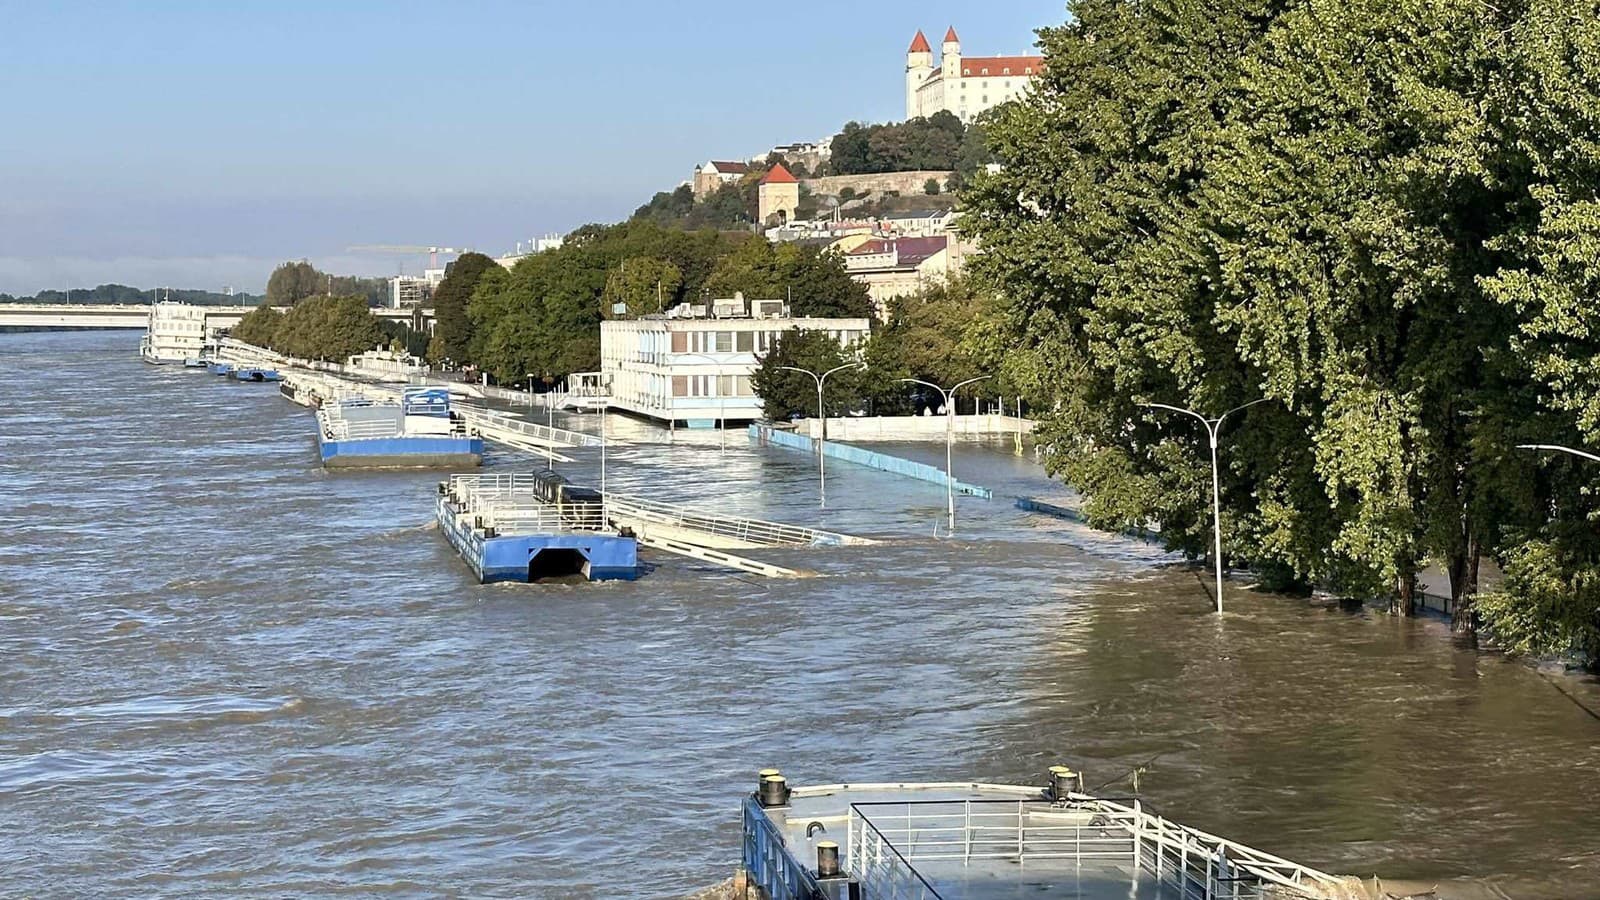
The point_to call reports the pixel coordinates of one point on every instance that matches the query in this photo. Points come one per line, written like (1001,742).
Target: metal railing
(1086,829)
(512,502)
(749,531)
(560,437)
(884,872)
(769,864)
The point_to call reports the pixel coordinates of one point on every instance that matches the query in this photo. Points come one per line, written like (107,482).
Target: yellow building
(965,86)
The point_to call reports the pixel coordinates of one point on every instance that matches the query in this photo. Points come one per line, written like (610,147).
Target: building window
(747,342)
(986,72)
(680,385)
(680,342)
(726,385)
(724,342)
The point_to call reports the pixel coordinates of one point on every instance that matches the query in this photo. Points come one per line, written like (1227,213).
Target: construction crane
(433,252)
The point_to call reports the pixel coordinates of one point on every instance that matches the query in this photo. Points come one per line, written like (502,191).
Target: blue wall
(766,435)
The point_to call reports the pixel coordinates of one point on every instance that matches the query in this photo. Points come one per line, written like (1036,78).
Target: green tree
(641,285)
(453,327)
(785,394)
(259,326)
(292,282)
(327,328)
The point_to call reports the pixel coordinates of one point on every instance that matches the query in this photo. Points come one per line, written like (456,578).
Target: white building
(965,86)
(694,364)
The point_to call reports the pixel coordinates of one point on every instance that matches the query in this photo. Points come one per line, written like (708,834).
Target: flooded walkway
(225,669)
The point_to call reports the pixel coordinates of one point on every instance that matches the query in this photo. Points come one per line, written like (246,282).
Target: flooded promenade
(223,668)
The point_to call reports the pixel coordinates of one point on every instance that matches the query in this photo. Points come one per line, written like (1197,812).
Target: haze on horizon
(198,145)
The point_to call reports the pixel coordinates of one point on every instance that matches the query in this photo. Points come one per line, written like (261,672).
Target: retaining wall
(768,436)
(915,428)
(907,183)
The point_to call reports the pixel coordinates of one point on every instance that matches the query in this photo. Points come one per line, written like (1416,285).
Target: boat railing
(514,503)
(1083,829)
(768,863)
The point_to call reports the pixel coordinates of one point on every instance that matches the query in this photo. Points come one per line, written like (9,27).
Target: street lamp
(949,437)
(1559,449)
(550,461)
(822,413)
(722,402)
(1212,427)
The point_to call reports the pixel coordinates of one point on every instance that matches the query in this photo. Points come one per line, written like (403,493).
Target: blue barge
(218,367)
(255,374)
(418,432)
(532,528)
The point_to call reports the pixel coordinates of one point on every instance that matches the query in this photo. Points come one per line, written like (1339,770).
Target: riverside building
(693,364)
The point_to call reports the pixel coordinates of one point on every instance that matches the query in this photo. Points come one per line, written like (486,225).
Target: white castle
(963,86)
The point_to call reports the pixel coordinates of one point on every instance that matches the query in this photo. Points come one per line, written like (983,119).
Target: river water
(223,669)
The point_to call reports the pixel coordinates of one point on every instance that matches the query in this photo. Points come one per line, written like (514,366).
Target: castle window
(1006,71)
(1028,71)
(985,71)
(966,71)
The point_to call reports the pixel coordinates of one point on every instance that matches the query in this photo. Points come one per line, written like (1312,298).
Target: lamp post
(822,414)
(1212,427)
(722,402)
(1559,449)
(549,460)
(949,438)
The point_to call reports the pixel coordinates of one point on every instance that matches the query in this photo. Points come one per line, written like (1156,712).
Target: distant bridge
(89,315)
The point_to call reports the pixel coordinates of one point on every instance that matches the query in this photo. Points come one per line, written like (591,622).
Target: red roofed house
(963,86)
(777,197)
(716,173)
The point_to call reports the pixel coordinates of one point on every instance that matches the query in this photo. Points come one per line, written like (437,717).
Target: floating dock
(218,367)
(249,373)
(968,841)
(417,432)
(506,530)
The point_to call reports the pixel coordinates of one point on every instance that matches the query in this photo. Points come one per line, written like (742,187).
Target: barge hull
(402,453)
(509,558)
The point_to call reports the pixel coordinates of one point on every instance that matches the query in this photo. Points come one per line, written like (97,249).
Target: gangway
(531,431)
(694,551)
(727,532)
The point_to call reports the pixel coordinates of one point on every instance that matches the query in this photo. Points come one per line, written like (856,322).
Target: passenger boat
(420,431)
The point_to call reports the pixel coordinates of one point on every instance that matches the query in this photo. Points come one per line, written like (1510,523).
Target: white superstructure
(176,333)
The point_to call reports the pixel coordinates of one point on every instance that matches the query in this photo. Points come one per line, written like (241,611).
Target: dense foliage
(933,143)
(325,328)
(786,394)
(452,326)
(292,282)
(543,317)
(1380,216)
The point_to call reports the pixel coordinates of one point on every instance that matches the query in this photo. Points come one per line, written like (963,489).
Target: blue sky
(199,143)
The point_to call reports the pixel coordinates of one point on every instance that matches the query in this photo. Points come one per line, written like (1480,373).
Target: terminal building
(693,364)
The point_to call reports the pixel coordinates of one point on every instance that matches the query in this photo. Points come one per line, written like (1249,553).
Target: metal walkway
(729,560)
(729,532)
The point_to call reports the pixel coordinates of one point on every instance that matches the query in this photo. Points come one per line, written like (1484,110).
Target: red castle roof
(995,66)
(950,36)
(919,44)
(779,175)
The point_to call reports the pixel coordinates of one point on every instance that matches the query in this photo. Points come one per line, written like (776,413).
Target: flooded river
(223,669)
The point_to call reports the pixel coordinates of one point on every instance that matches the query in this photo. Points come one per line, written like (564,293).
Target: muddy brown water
(224,669)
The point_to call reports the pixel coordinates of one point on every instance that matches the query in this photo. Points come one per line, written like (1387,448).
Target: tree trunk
(1466,613)
(1457,570)
(1405,600)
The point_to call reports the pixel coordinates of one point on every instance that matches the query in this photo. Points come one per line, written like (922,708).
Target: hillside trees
(814,282)
(935,142)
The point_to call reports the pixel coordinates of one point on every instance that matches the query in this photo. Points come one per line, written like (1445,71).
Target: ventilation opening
(557,565)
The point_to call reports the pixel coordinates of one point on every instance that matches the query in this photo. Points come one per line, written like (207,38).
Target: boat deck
(959,841)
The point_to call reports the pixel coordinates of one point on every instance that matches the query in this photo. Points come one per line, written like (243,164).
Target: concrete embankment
(768,436)
(888,429)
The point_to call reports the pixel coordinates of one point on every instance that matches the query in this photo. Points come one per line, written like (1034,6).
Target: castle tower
(950,62)
(777,197)
(919,68)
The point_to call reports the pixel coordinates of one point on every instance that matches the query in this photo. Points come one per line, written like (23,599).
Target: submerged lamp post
(722,402)
(1212,427)
(949,438)
(822,414)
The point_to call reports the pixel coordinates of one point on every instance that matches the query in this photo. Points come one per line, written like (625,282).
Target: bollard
(827,859)
(774,791)
(1062,779)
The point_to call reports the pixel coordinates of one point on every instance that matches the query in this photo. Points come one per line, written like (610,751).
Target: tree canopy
(452,326)
(1377,215)
(934,143)
(323,328)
